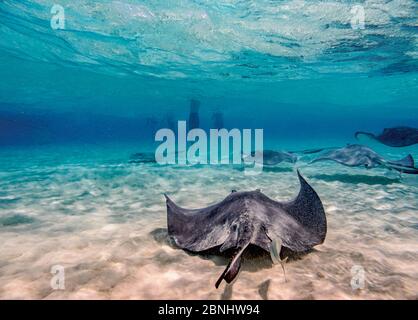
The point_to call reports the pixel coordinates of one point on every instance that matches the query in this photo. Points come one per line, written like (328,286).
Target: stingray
(355,155)
(312,151)
(249,218)
(394,137)
(270,157)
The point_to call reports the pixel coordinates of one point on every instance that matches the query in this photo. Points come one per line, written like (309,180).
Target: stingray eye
(234,227)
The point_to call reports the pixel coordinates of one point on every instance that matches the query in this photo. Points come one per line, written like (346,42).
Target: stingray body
(312,151)
(394,137)
(271,158)
(361,156)
(249,218)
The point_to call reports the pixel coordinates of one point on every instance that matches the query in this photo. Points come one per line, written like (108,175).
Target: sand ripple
(105,224)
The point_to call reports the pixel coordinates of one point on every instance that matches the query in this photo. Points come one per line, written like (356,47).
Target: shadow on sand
(356,179)
(255,259)
(263,290)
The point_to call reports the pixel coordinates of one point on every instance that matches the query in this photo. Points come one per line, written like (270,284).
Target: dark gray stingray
(355,155)
(270,157)
(249,218)
(312,151)
(394,137)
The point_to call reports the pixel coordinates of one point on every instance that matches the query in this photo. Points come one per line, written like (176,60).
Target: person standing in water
(170,122)
(218,120)
(194,121)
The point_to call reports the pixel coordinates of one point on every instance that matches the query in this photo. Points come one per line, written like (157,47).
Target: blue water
(296,69)
(76,103)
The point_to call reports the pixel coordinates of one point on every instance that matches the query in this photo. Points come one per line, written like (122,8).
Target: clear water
(76,103)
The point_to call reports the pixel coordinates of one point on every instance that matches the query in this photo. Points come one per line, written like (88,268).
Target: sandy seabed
(106,225)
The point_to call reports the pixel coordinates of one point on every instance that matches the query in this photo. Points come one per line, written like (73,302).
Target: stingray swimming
(355,155)
(249,218)
(394,137)
(270,157)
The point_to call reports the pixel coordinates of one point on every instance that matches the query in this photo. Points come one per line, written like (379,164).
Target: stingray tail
(405,165)
(406,170)
(232,269)
(408,161)
(358,133)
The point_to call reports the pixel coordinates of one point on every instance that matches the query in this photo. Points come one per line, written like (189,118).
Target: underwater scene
(207,149)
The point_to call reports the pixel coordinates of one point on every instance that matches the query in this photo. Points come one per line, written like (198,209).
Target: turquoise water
(76,103)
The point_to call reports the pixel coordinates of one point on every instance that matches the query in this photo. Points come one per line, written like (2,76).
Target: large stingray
(394,137)
(355,155)
(249,218)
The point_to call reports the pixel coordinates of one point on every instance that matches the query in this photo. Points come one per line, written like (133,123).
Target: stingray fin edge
(408,161)
(307,208)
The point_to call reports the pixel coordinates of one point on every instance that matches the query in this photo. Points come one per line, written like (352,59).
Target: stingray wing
(352,155)
(301,223)
(399,136)
(341,156)
(200,229)
(394,137)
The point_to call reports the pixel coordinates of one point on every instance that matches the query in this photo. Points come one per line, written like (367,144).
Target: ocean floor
(104,220)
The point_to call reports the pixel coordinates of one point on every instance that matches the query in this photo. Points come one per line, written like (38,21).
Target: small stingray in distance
(249,218)
(394,137)
(355,155)
(312,151)
(270,157)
